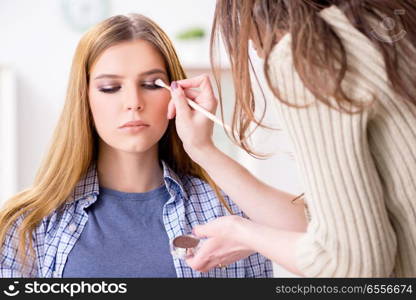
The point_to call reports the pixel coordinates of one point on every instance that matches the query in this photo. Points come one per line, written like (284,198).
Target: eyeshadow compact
(185,246)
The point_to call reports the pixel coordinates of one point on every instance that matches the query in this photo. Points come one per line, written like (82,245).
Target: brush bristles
(160,82)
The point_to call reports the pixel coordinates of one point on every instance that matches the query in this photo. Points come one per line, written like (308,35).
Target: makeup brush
(195,106)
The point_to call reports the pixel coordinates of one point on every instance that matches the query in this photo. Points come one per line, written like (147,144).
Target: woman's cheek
(164,103)
(104,118)
(109,120)
(160,116)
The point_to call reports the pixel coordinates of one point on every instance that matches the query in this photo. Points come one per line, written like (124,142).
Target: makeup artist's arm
(259,201)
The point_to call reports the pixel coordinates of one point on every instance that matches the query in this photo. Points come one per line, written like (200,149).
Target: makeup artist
(343,76)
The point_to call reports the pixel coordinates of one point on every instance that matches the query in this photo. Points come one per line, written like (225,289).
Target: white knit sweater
(358,171)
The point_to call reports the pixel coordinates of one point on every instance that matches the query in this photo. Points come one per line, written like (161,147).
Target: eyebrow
(150,72)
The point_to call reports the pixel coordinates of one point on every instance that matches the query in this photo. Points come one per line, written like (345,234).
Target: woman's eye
(150,86)
(109,90)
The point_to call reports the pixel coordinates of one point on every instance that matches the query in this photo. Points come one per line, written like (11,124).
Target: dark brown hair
(322,72)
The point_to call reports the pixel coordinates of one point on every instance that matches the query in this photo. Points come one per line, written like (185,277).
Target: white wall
(8,134)
(38,45)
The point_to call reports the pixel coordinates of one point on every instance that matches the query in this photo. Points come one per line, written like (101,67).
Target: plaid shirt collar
(89,185)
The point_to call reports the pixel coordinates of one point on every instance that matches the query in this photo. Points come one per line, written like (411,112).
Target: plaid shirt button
(72,227)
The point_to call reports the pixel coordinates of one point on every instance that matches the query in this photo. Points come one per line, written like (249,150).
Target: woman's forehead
(126,57)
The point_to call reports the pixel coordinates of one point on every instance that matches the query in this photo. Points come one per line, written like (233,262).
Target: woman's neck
(129,172)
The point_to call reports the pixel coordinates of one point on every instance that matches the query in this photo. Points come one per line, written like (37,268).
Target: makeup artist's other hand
(194,129)
(223,245)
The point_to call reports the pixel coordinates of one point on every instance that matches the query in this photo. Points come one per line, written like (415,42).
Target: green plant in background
(192,33)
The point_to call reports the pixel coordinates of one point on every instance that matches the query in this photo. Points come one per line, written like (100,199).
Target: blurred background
(38,40)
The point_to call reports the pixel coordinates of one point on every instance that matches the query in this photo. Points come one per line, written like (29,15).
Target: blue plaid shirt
(192,202)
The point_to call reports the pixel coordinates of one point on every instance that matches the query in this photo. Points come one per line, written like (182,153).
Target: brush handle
(206,113)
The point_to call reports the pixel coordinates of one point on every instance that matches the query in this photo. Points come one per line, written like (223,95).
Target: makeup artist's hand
(223,245)
(194,129)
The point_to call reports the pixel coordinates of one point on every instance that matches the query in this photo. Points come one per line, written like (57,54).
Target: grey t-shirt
(123,237)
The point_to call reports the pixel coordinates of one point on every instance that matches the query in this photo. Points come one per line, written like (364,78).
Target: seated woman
(116,186)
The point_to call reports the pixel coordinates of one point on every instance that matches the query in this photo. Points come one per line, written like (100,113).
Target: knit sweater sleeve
(349,234)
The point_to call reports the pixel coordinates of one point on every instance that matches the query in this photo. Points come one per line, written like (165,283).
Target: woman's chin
(135,148)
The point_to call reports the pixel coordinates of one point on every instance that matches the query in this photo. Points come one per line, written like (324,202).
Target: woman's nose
(134,101)
(137,107)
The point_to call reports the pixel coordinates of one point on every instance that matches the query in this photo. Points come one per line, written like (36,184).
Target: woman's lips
(134,129)
(134,126)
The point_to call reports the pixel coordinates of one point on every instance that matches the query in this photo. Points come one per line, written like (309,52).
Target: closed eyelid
(149,80)
(113,88)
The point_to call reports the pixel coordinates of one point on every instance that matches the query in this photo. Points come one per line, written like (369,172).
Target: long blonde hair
(74,142)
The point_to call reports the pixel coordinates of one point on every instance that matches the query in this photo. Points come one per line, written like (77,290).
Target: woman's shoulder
(11,265)
(201,192)
(280,62)
(358,81)
(356,43)
(281,53)
(196,187)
